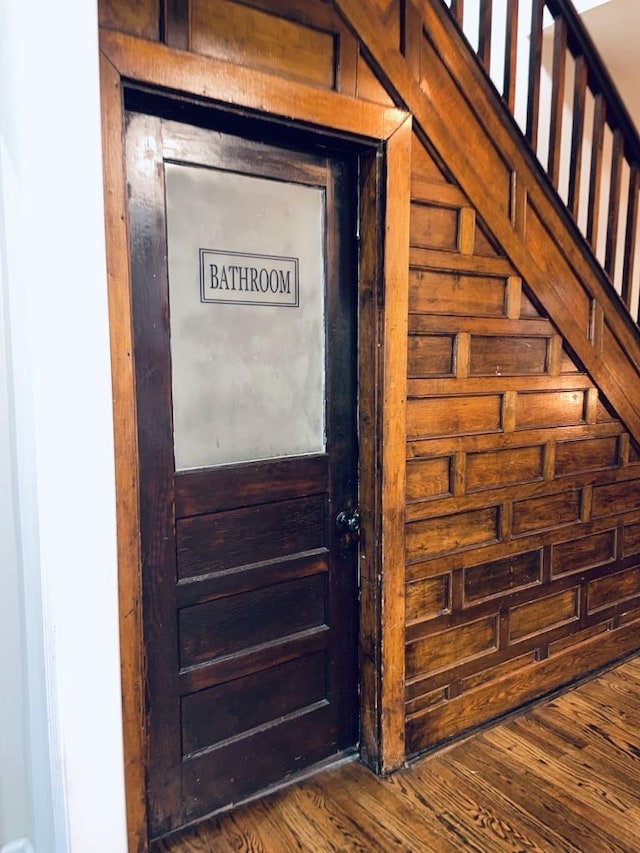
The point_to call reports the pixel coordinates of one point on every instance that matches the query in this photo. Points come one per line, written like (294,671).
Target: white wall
(15,817)
(57,439)
(614,26)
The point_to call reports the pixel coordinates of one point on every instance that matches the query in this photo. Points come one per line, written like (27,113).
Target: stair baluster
(588,123)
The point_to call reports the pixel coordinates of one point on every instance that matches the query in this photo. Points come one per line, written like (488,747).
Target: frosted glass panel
(246,300)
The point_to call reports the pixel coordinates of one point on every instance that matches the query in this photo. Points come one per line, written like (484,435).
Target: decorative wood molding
(236,86)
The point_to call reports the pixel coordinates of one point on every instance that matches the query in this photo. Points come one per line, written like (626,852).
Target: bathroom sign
(248,279)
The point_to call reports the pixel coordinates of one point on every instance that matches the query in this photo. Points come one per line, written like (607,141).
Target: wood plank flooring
(562,777)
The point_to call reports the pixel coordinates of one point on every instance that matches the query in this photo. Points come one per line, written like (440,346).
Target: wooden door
(249,581)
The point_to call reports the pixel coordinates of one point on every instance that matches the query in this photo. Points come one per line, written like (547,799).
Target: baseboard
(20,845)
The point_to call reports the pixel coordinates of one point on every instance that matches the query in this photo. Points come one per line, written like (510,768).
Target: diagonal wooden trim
(126,453)
(396,254)
(237,86)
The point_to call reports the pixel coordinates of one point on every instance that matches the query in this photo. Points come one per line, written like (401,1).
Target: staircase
(523,489)
(586,123)
(436,77)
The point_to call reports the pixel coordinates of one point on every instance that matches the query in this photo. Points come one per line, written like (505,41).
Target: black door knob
(348,521)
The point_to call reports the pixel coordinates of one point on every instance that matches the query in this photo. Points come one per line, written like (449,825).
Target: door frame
(384,135)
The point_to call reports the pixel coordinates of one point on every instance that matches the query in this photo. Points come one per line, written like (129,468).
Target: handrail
(581,44)
(601,139)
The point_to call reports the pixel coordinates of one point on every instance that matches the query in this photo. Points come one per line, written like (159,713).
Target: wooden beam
(239,86)
(396,285)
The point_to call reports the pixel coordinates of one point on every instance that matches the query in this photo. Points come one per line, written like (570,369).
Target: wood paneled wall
(302,40)
(523,487)
(522,481)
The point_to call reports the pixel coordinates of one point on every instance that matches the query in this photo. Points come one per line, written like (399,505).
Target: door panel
(226,710)
(214,543)
(249,588)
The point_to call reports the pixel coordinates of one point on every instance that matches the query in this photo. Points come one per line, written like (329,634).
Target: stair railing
(553,81)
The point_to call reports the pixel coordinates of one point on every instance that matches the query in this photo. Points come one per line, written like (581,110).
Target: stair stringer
(477,140)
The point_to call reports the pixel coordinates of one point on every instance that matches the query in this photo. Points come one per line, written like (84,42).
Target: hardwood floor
(563,776)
